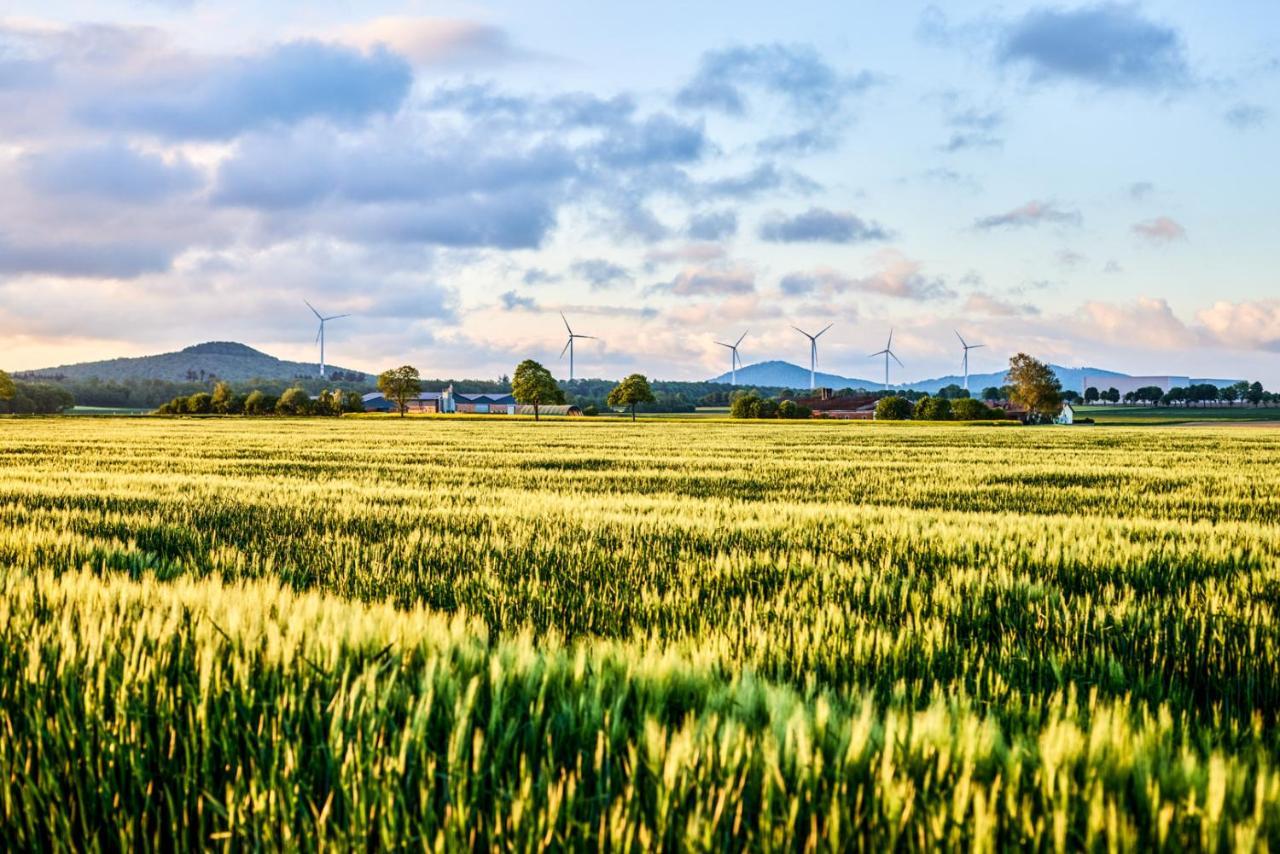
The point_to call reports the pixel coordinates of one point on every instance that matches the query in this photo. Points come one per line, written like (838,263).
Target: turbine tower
(888,354)
(967,348)
(569,344)
(813,353)
(320,335)
(734,361)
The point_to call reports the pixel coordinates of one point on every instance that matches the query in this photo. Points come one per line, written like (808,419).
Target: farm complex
(448,634)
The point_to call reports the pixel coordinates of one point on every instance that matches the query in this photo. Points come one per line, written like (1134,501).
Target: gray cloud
(712,225)
(706,281)
(85,260)
(795,73)
(973,128)
(600,273)
(1141,189)
(1031,214)
(1107,45)
(512,301)
(1246,116)
(821,225)
(113,171)
(286,84)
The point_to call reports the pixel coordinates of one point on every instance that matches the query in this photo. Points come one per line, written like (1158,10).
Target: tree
(199,404)
(933,409)
(745,405)
(1256,393)
(255,403)
(953,392)
(632,390)
(7,389)
(1229,395)
(1111,395)
(992,392)
(352,402)
(534,386)
(968,409)
(294,401)
(1035,386)
(893,408)
(1091,394)
(399,385)
(222,397)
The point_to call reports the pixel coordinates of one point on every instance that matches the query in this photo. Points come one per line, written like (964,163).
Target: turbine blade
(976,346)
(825,328)
(722,344)
(802,332)
(566,347)
(740,337)
(566,323)
(592,337)
(896,359)
(877,353)
(337,317)
(313,310)
(890,344)
(319,334)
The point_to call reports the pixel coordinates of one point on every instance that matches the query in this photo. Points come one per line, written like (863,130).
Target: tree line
(24,398)
(1202,394)
(224,400)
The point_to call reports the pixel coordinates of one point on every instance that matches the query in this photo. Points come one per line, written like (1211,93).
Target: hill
(787,375)
(225,360)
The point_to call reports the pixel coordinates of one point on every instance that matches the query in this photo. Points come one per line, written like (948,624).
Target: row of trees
(224,400)
(751,405)
(897,408)
(20,398)
(533,385)
(1202,394)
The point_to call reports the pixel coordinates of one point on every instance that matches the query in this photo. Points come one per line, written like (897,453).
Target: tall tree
(222,396)
(1256,393)
(1091,394)
(634,389)
(534,386)
(1035,386)
(7,389)
(400,384)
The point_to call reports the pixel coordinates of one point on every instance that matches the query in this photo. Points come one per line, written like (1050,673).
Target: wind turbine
(967,348)
(320,334)
(813,353)
(569,344)
(888,354)
(734,361)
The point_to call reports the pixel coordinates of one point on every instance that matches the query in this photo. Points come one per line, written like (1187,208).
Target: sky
(1094,184)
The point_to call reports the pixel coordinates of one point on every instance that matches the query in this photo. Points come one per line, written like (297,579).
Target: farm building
(427,401)
(825,404)
(1067,415)
(554,409)
(486,403)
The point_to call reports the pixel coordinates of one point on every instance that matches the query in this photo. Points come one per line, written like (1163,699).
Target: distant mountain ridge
(225,360)
(786,375)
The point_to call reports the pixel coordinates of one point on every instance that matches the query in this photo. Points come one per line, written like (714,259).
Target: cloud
(511,301)
(821,225)
(660,138)
(1070,258)
(1246,116)
(1031,214)
(973,128)
(1146,322)
(113,171)
(712,225)
(84,260)
(795,73)
(1107,45)
(709,281)
(600,273)
(692,253)
(437,41)
(1244,325)
(897,276)
(1162,229)
(285,84)
(539,276)
(1139,190)
(762,179)
(985,304)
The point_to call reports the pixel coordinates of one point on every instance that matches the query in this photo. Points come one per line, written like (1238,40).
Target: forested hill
(224,360)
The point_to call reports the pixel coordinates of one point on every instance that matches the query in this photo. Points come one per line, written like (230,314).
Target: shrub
(968,409)
(933,409)
(893,408)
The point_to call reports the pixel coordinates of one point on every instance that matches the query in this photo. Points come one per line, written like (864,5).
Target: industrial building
(449,401)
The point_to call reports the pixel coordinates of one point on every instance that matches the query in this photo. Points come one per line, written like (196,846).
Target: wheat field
(691,635)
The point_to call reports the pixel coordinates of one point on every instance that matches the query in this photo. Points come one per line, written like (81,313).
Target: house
(1066,416)
(825,404)
(485,403)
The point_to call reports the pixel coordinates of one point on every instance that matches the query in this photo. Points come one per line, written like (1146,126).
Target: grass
(588,633)
(1163,415)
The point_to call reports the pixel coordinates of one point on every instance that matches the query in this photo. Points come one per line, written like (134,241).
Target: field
(1168,415)
(706,635)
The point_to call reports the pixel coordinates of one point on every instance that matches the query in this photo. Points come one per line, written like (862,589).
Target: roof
(374,396)
(842,403)
(486,397)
